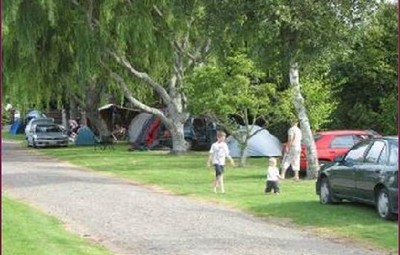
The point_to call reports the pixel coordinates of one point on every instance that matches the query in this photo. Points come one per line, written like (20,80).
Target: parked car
(334,143)
(46,134)
(34,121)
(367,174)
(200,132)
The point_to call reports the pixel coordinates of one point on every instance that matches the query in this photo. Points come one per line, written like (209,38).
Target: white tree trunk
(178,140)
(243,156)
(298,100)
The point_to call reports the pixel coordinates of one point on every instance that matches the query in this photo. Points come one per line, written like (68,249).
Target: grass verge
(28,231)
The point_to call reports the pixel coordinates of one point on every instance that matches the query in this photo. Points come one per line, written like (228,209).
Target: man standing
(292,150)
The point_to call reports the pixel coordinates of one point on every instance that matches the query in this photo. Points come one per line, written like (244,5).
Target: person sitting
(118,132)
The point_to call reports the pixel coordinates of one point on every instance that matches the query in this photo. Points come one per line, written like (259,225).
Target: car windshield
(48,129)
(394,153)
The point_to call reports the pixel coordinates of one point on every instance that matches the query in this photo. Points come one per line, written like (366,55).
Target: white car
(32,122)
(48,134)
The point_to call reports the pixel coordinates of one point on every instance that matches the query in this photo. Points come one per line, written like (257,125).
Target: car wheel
(34,143)
(383,205)
(325,195)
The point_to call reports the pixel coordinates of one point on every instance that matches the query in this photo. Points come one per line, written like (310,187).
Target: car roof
(344,132)
(41,120)
(391,137)
(45,124)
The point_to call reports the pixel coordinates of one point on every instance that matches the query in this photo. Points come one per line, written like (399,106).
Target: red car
(331,144)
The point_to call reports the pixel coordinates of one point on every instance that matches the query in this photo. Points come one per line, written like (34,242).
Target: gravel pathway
(131,219)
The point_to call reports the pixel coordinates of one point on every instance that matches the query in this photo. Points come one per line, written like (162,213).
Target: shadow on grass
(246,176)
(338,215)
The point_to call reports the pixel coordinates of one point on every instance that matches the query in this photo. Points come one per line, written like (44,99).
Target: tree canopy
(159,53)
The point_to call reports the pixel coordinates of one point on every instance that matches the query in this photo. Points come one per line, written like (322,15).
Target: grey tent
(261,144)
(136,126)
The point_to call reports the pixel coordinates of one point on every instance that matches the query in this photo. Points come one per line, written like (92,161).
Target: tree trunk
(313,166)
(179,144)
(243,156)
(176,115)
(97,124)
(242,139)
(91,105)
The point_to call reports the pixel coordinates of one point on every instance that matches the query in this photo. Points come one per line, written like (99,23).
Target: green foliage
(278,33)
(5,115)
(53,48)
(35,57)
(389,115)
(367,79)
(319,102)
(237,89)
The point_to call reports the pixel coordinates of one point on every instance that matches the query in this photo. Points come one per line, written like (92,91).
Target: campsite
(148,100)
(143,131)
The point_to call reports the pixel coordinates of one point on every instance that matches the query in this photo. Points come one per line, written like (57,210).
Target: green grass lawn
(188,175)
(26,231)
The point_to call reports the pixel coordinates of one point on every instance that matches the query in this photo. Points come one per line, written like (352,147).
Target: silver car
(34,121)
(47,135)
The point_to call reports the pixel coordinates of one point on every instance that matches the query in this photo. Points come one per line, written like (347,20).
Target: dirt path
(130,219)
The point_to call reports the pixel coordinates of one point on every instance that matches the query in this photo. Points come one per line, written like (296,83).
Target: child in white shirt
(218,152)
(273,176)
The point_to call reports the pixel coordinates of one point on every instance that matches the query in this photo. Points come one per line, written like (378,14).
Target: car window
(48,129)
(358,138)
(394,154)
(375,152)
(343,141)
(384,155)
(356,154)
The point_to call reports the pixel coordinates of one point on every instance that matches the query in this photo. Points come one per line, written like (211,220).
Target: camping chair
(103,142)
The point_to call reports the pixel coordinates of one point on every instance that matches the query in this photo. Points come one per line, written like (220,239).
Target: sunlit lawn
(26,231)
(188,175)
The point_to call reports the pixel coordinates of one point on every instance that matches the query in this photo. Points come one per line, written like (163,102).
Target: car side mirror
(339,159)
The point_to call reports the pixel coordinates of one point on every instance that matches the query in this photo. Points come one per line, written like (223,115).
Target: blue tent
(17,128)
(85,136)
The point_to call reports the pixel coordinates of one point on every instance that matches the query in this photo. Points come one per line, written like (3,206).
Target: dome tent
(85,136)
(261,144)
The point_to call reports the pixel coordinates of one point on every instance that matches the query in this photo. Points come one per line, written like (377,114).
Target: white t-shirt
(272,173)
(219,152)
(296,133)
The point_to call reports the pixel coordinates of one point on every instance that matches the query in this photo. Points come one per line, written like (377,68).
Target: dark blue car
(367,173)
(200,132)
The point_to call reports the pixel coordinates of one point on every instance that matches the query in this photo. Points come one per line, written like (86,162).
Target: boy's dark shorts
(219,169)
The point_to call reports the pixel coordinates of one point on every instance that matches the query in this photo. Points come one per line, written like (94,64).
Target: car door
(370,172)
(339,145)
(342,176)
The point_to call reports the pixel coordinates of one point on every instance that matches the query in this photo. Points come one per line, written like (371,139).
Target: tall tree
(287,36)
(144,47)
(157,43)
(49,55)
(366,78)
(238,94)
